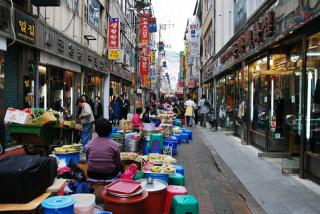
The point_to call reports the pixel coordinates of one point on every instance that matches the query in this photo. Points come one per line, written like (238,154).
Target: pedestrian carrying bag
(23,178)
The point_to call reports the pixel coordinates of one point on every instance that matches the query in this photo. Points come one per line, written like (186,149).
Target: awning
(49,59)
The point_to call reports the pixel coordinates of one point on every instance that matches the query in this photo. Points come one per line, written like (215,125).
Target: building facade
(266,81)
(50,56)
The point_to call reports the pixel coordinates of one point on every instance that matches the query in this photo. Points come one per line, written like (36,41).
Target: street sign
(114,54)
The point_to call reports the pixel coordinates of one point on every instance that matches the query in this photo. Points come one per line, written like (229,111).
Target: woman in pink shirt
(136,122)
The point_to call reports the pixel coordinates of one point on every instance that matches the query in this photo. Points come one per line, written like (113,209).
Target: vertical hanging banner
(145,65)
(144,29)
(153,57)
(114,38)
(145,50)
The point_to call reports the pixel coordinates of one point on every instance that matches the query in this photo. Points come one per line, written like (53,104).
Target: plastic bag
(130,172)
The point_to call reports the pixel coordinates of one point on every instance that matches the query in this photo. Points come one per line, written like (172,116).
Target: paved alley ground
(228,177)
(209,183)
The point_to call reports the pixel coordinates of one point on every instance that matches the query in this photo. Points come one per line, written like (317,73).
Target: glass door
(313,106)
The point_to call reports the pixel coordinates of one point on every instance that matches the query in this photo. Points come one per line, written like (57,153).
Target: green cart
(36,139)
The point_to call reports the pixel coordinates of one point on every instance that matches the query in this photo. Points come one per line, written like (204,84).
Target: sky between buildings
(174,12)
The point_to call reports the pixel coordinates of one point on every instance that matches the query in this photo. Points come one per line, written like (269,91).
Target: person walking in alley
(86,119)
(98,111)
(125,106)
(116,109)
(190,106)
(204,110)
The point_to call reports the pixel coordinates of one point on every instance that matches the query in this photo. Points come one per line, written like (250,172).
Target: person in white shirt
(86,119)
(190,106)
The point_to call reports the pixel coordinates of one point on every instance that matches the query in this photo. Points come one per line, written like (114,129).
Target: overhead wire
(11,23)
(73,16)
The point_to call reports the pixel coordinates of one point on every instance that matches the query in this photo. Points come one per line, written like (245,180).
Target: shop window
(230,95)
(313,94)
(242,95)
(43,87)
(93,86)
(220,101)
(258,95)
(94,13)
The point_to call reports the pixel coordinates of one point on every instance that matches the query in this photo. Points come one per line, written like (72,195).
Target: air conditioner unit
(46,3)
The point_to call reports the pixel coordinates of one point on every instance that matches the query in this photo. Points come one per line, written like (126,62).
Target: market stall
(38,130)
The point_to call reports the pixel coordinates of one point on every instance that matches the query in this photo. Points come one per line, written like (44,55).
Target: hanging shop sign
(194,39)
(145,65)
(25,27)
(181,65)
(144,29)
(251,39)
(114,54)
(153,57)
(113,33)
(153,25)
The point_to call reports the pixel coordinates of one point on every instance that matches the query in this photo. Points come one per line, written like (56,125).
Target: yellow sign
(153,57)
(114,54)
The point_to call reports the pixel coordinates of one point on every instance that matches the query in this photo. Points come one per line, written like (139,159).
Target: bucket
(68,156)
(157,190)
(85,203)
(58,205)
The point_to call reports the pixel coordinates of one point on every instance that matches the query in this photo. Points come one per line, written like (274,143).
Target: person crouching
(103,154)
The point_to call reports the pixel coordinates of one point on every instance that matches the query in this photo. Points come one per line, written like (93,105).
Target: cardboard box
(16,116)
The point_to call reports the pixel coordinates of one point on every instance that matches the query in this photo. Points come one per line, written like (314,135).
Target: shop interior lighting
(309,105)
(294,58)
(313,54)
(300,102)
(313,47)
(71,97)
(272,96)
(271,62)
(251,101)
(45,97)
(42,69)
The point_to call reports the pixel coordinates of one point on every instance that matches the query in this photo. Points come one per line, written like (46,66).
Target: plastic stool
(180,169)
(172,191)
(189,132)
(176,179)
(184,138)
(173,141)
(178,136)
(182,204)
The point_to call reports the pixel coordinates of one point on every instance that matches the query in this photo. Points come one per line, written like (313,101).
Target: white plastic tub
(85,203)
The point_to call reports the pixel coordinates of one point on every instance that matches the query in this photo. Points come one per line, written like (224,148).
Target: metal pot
(132,146)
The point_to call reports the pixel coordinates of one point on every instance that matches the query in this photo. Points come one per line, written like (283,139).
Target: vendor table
(35,203)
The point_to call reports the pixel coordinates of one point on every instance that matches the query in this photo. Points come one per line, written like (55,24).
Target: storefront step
(273,155)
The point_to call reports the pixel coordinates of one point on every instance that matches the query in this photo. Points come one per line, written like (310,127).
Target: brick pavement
(205,179)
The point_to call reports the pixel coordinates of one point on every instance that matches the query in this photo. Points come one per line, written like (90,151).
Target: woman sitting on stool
(103,154)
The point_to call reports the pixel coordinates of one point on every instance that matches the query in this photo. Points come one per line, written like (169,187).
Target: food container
(157,190)
(85,203)
(58,205)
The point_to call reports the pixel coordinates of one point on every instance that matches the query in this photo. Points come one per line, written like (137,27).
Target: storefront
(268,81)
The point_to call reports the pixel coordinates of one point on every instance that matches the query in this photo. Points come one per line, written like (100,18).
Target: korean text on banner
(144,29)
(113,33)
